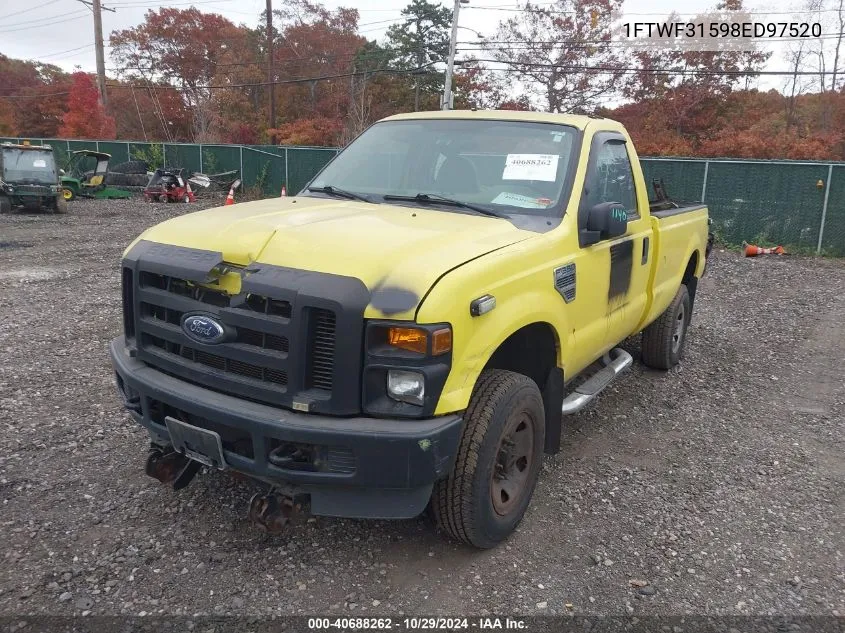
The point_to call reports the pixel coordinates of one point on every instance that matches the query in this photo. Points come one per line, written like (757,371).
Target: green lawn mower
(87,175)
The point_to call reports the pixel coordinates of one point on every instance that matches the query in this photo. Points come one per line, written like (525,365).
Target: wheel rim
(678,333)
(511,471)
(67,194)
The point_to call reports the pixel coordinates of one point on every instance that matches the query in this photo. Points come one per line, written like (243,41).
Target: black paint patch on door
(621,265)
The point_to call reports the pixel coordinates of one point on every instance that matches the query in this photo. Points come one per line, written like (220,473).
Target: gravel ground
(716,488)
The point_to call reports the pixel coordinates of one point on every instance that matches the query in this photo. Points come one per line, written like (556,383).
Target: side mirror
(605,220)
(61,172)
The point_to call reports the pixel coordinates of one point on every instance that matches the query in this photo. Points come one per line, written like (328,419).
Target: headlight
(414,339)
(406,386)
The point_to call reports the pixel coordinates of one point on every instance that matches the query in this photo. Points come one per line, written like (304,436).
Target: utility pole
(446,104)
(271,119)
(97,9)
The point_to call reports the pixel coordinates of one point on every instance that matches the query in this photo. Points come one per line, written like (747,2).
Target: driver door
(616,269)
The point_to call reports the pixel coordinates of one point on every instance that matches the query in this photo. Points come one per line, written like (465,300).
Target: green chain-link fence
(799,204)
(263,169)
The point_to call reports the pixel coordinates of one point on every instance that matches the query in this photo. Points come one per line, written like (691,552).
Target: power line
(38,96)
(70,50)
(38,6)
(625,13)
(297,80)
(628,43)
(39,20)
(658,71)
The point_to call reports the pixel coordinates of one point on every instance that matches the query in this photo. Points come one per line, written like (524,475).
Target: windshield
(511,167)
(26,166)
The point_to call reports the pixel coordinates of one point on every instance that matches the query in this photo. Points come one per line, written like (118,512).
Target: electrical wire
(35,26)
(38,6)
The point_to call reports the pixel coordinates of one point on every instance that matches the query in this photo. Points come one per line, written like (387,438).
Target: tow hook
(170,467)
(271,512)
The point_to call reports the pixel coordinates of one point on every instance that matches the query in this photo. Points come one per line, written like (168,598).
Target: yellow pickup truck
(410,330)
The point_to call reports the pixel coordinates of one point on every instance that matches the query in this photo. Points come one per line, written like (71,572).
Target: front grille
(321,366)
(220,363)
(256,361)
(41,190)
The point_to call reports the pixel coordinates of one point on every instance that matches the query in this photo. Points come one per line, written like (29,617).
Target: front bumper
(389,468)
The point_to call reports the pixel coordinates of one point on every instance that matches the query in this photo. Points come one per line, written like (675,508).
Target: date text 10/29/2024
(416,624)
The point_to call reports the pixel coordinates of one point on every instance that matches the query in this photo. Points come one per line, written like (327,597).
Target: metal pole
(164,155)
(824,207)
(286,167)
(271,75)
(704,184)
(201,158)
(128,152)
(242,164)
(98,47)
(450,64)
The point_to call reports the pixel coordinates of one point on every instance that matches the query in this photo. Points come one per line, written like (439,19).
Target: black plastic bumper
(393,466)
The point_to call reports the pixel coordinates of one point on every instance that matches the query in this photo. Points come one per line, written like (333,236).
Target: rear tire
(498,462)
(663,341)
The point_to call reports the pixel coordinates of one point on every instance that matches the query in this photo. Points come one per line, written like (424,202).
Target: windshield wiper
(341,193)
(435,198)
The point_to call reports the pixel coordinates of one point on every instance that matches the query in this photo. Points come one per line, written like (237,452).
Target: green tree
(421,39)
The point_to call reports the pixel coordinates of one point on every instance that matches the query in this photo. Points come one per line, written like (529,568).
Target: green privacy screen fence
(263,168)
(799,204)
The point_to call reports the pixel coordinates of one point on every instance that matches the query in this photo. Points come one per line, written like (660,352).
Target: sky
(61,32)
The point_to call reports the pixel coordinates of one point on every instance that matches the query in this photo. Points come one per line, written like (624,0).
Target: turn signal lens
(407,338)
(441,341)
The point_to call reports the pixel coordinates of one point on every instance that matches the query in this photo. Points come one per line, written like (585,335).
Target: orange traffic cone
(230,199)
(752,251)
(284,191)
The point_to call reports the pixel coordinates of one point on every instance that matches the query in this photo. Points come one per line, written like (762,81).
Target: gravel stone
(667,459)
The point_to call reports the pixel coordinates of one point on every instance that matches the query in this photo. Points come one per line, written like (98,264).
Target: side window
(612,180)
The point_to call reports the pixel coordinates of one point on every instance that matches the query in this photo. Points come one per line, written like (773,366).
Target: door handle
(645,251)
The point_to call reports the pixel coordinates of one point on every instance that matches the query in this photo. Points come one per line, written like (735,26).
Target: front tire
(663,341)
(498,462)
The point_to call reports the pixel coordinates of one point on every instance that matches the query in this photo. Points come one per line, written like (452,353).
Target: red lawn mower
(169,185)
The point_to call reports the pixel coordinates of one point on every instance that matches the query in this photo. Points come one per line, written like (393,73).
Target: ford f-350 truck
(409,331)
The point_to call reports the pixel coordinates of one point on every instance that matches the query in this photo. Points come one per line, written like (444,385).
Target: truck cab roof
(578,121)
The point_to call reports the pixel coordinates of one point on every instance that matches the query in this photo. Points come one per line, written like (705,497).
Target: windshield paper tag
(531,167)
(39,163)
(516,200)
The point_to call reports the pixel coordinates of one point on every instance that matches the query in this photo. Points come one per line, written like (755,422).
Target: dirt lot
(719,484)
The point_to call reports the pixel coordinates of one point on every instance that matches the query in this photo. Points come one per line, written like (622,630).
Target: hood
(397,252)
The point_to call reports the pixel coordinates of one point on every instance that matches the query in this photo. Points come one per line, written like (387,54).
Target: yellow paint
(449,259)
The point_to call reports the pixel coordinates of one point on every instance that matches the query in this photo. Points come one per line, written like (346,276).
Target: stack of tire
(132,173)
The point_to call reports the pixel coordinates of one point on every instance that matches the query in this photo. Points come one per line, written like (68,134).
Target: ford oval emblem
(203,329)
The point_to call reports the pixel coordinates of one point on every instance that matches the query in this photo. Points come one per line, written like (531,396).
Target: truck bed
(666,208)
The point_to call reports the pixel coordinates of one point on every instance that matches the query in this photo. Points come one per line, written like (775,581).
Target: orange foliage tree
(85,116)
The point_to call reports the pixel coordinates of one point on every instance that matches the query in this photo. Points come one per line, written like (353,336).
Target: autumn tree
(85,116)
(184,48)
(418,42)
(689,86)
(149,112)
(562,52)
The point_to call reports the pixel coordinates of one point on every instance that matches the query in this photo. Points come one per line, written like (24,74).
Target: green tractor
(85,176)
(28,178)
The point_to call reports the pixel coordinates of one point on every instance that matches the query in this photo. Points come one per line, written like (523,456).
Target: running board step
(615,362)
